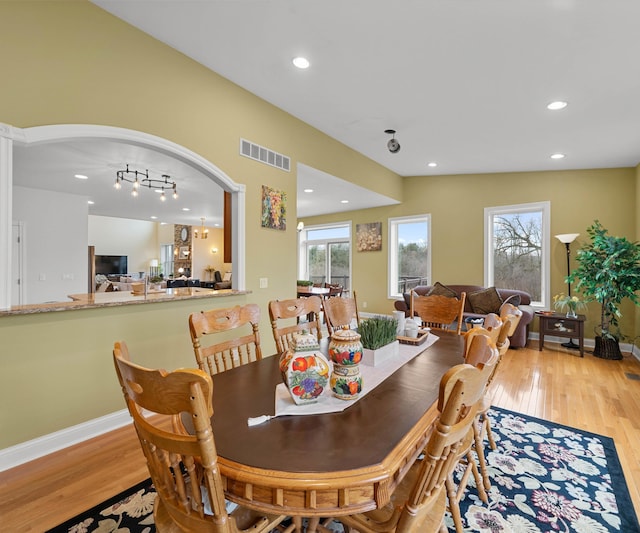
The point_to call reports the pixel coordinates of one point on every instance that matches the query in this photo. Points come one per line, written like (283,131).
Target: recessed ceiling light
(153,217)
(308,190)
(81,177)
(301,62)
(344,201)
(163,223)
(558,104)
(557,156)
(432,164)
(216,225)
(186,209)
(91,202)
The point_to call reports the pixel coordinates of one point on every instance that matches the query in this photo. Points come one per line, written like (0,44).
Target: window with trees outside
(517,249)
(325,254)
(409,253)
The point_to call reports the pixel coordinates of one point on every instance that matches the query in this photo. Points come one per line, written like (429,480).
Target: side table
(560,325)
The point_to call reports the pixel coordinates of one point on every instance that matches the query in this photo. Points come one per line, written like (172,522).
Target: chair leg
(482,461)
(486,424)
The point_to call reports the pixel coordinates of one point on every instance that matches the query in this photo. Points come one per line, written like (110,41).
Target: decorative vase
(305,374)
(345,351)
(571,313)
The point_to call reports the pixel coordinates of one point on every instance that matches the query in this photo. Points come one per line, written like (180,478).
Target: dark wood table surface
(329,464)
(312,291)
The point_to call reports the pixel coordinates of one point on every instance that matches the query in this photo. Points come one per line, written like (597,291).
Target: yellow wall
(73,63)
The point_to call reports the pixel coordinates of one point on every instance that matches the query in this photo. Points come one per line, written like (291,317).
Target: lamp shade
(567,238)
(153,263)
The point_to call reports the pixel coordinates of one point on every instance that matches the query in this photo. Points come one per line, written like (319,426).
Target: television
(111,264)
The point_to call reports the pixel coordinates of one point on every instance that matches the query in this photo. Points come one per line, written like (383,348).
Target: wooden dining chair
(231,352)
(492,328)
(340,312)
(335,290)
(438,312)
(514,315)
(287,319)
(419,502)
(482,425)
(183,467)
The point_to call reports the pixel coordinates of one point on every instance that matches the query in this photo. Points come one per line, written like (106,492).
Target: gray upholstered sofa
(519,337)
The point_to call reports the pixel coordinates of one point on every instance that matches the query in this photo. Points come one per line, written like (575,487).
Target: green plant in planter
(304,283)
(156,279)
(377,331)
(608,272)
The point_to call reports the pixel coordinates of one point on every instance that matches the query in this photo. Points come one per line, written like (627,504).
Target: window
(166,259)
(517,249)
(409,253)
(325,254)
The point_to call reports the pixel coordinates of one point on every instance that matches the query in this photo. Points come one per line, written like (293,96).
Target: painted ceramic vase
(305,374)
(345,347)
(346,381)
(345,350)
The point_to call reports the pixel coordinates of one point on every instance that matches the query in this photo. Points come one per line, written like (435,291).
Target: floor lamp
(567,239)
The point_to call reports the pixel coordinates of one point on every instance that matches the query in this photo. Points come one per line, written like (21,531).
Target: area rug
(545,478)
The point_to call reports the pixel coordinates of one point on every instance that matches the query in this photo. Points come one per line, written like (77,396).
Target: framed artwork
(274,208)
(369,237)
(184,252)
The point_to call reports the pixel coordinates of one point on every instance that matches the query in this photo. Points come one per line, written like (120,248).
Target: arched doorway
(11,137)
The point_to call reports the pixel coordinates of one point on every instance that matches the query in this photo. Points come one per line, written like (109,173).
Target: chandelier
(204,232)
(142,179)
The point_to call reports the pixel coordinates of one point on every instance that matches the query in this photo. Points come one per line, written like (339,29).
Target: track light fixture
(393,145)
(142,179)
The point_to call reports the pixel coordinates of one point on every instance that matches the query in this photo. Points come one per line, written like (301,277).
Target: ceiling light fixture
(432,164)
(81,176)
(203,233)
(301,62)
(393,145)
(141,179)
(557,105)
(557,156)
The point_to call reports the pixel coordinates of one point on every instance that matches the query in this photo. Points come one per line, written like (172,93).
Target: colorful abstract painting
(274,208)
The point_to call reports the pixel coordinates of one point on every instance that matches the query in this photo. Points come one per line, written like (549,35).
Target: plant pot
(375,357)
(607,348)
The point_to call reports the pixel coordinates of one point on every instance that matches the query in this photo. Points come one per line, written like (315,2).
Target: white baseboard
(36,448)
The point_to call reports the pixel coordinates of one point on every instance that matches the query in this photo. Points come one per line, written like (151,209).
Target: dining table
(333,464)
(305,291)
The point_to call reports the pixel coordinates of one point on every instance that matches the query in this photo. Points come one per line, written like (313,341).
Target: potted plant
(304,283)
(570,304)
(378,337)
(608,272)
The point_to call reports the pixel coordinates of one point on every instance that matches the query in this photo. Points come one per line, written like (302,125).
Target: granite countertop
(118,298)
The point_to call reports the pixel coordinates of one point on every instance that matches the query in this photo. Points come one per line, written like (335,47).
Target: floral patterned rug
(545,478)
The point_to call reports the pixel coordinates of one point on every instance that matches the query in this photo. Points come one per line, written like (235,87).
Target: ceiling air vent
(264,155)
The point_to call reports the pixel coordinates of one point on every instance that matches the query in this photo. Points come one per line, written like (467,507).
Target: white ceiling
(464,82)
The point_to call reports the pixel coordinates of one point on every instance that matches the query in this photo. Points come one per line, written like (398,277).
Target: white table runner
(372,376)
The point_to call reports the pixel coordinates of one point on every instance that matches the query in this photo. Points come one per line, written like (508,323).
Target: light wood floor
(591,394)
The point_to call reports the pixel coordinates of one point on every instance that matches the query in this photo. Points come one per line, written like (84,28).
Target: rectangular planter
(375,357)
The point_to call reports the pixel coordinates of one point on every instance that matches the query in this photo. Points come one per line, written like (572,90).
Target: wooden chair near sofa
(281,313)
(418,504)
(229,353)
(438,312)
(340,312)
(183,467)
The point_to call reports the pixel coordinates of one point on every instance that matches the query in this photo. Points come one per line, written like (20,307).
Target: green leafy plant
(304,283)
(608,272)
(156,279)
(377,331)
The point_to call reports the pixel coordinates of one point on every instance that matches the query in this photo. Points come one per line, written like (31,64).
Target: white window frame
(392,268)
(303,266)
(489,213)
